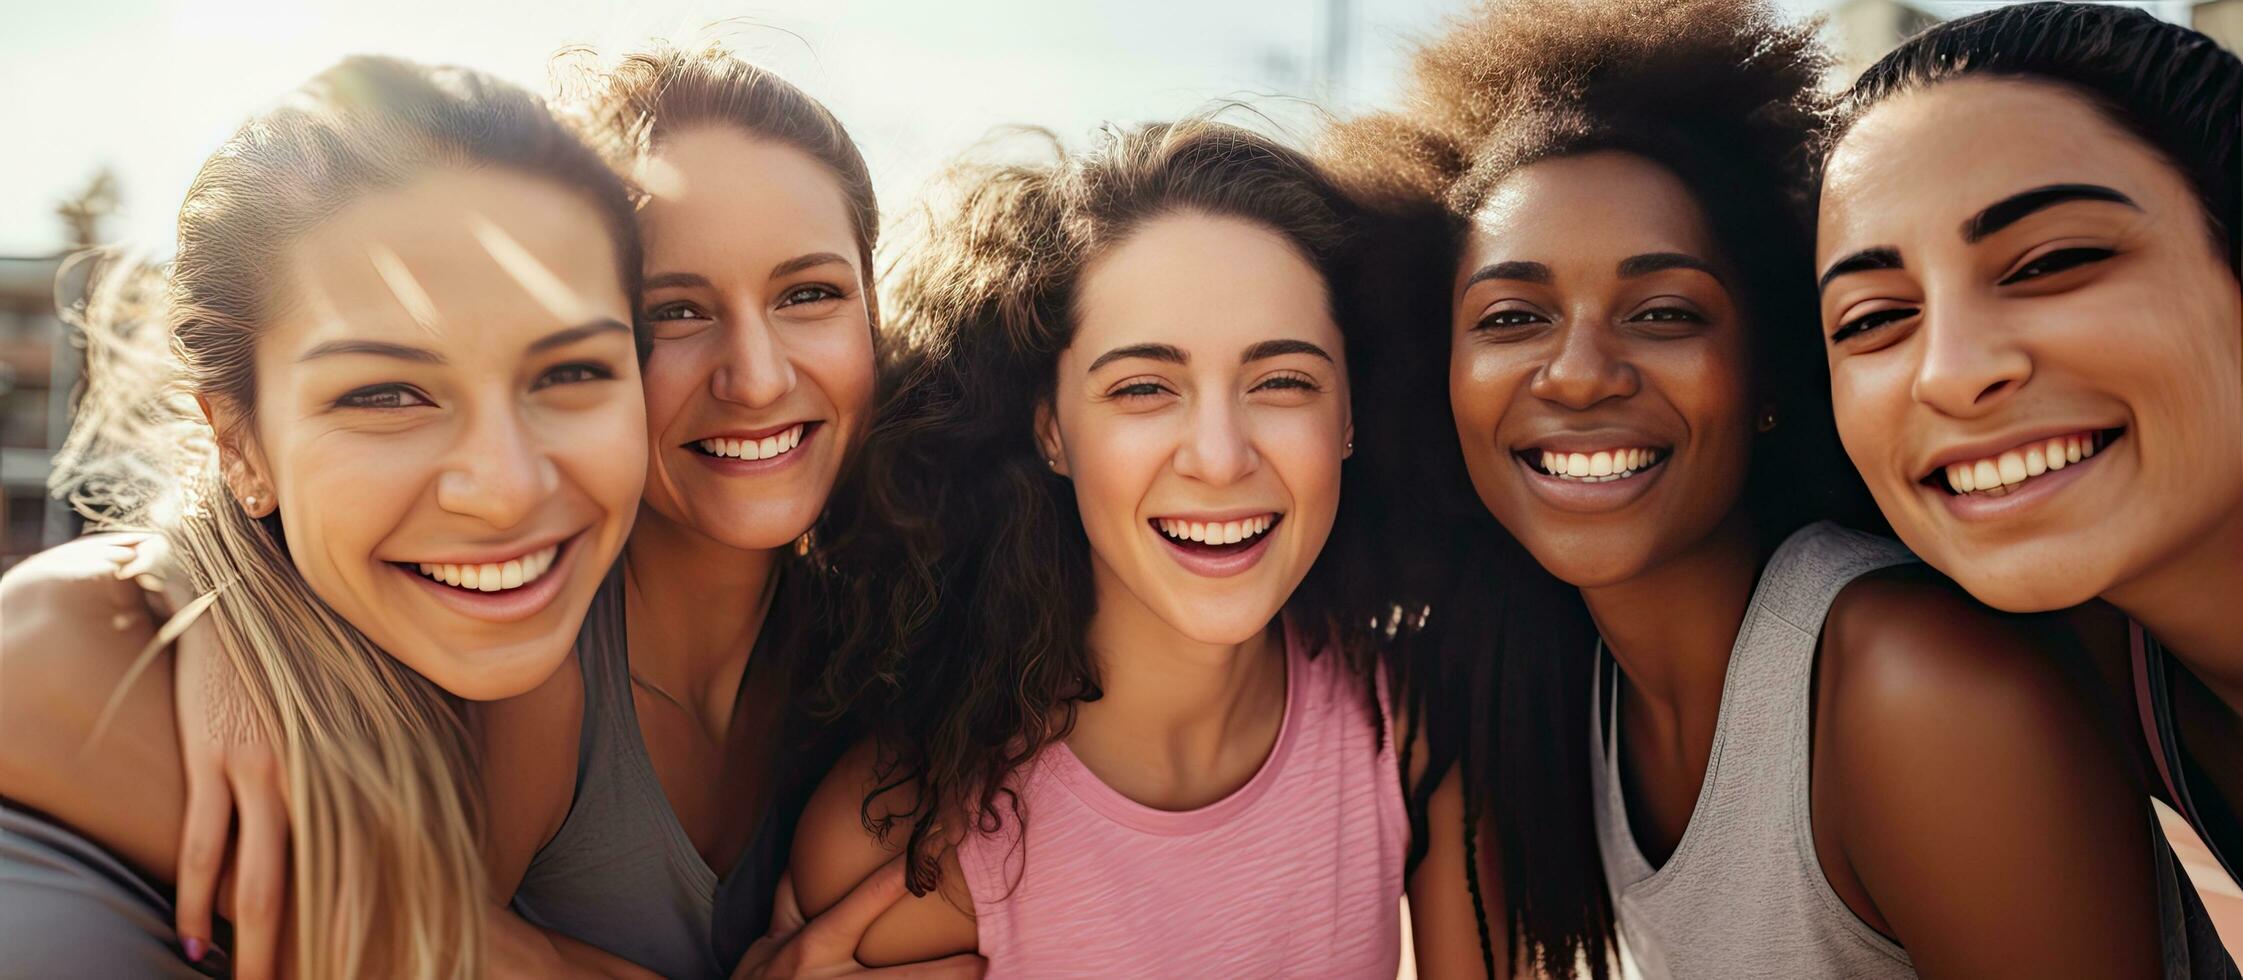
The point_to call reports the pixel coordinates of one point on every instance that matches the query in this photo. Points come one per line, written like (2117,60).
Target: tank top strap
(602,649)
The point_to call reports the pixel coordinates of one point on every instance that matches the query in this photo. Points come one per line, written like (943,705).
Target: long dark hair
(1721,94)
(2176,90)
(984,591)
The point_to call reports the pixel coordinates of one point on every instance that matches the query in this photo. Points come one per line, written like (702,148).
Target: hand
(232,775)
(828,947)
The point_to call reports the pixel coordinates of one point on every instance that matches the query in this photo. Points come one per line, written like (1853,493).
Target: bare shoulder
(834,850)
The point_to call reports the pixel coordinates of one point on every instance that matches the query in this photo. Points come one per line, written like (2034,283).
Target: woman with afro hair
(1708,726)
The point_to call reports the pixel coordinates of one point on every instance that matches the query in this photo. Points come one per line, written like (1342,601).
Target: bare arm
(1968,799)
(833,852)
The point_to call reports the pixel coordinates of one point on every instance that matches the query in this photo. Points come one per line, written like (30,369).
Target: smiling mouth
(1602,466)
(2005,472)
(502,576)
(1215,538)
(769,447)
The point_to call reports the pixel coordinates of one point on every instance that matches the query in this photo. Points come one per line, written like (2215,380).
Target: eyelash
(584,370)
(2061,259)
(1870,321)
(1680,315)
(1147,389)
(1493,320)
(367,396)
(794,297)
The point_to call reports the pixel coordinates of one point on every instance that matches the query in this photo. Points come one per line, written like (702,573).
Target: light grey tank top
(621,874)
(1743,894)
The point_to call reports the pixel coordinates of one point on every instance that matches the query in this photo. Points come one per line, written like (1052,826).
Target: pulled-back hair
(387,876)
(2176,90)
(1721,93)
(980,613)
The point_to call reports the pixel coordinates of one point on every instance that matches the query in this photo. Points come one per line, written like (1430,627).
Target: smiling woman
(400,306)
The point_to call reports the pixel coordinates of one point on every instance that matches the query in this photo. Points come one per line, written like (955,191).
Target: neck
(1174,697)
(695,606)
(2178,602)
(1671,627)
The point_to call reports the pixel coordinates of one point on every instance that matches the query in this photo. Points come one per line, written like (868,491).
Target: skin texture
(1191,667)
(2085,314)
(1921,696)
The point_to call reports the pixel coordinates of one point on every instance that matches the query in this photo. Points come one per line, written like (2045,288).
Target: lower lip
(507,605)
(1212,565)
(735,466)
(1582,497)
(1979,507)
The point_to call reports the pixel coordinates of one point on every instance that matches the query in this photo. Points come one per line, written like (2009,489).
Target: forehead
(1921,163)
(453,258)
(1201,282)
(716,194)
(1594,207)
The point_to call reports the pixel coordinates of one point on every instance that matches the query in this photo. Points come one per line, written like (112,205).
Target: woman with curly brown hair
(1144,731)
(1749,742)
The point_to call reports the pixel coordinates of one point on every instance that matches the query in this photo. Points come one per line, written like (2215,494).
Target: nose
(497,473)
(1583,371)
(1969,362)
(756,371)
(1218,450)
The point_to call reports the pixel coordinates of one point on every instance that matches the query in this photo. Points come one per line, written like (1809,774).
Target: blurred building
(41,370)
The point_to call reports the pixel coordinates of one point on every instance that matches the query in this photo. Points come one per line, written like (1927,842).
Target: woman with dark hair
(1143,731)
(2035,324)
(1798,753)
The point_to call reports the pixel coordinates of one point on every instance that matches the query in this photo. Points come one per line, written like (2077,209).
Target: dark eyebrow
(1157,352)
(1876,257)
(376,348)
(669,279)
(563,338)
(801,262)
(1280,348)
(1646,264)
(1534,272)
(2012,209)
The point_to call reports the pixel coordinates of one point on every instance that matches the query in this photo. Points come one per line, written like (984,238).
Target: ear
(1048,443)
(241,462)
(1347,437)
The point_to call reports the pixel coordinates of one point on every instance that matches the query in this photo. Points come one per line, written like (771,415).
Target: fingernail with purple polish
(194,949)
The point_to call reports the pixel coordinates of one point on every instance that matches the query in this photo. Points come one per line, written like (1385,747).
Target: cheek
(676,373)
(602,450)
(839,363)
(1481,382)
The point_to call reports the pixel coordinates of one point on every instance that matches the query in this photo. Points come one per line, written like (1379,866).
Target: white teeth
(1217,532)
(2008,469)
(494,576)
(764,448)
(1599,467)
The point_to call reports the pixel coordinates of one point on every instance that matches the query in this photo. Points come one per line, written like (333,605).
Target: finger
(959,967)
(261,866)
(202,852)
(786,910)
(837,932)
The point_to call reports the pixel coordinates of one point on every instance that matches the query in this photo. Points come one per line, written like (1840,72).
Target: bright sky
(149,87)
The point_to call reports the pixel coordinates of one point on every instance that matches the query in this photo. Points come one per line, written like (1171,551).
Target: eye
(1870,321)
(1509,318)
(676,311)
(2057,261)
(1138,389)
(575,372)
(1668,314)
(383,396)
(1287,382)
(808,294)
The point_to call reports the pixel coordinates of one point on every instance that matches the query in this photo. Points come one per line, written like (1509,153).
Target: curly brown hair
(1723,94)
(974,628)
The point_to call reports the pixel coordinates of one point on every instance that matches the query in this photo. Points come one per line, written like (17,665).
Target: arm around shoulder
(1976,796)
(834,851)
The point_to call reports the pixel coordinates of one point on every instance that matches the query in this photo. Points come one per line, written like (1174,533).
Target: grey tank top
(621,874)
(1743,894)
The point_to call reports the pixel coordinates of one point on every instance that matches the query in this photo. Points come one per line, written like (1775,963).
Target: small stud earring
(1768,420)
(1349,448)
(250,501)
(1053,463)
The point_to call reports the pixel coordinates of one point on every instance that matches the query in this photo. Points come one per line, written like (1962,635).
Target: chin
(1222,624)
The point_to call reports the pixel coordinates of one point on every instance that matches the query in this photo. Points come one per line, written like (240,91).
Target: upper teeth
(2020,464)
(1216,532)
(494,576)
(1598,467)
(763,448)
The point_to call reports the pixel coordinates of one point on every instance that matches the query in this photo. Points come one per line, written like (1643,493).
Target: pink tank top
(1297,874)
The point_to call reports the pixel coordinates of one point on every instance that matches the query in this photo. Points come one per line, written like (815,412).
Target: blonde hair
(385,823)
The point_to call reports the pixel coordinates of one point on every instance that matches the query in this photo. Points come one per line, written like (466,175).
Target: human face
(2011,279)
(761,372)
(448,412)
(1201,412)
(1598,370)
